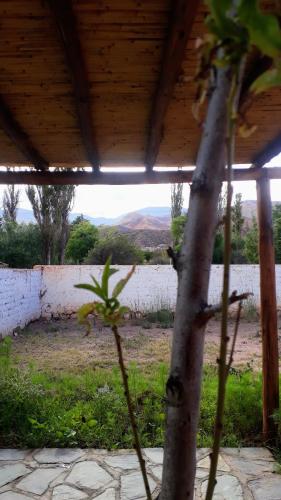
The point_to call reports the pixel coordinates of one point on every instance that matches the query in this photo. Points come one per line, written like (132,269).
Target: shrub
(119,247)
(20,245)
(83,238)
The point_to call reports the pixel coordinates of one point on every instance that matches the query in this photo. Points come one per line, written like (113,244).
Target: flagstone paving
(74,474)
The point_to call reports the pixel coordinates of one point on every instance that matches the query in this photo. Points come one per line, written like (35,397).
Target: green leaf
(123,310)
(105,276)
(122,283)
(219,22)
(92,423)
(95,289)
(83,313)
(264,29)
(107,272)
(269,79)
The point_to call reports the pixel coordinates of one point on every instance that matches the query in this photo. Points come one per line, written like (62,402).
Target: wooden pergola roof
(111,83)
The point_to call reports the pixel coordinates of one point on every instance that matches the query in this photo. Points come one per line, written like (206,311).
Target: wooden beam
(67,28)
(272,149)
(181,21)
(122,178)
(19,137)
(270,355)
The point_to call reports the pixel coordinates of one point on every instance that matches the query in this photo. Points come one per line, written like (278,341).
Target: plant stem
(131,411)
(222,369)
(237,322)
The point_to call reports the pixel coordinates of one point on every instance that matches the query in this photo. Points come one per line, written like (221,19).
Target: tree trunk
(62,242)
(193,266)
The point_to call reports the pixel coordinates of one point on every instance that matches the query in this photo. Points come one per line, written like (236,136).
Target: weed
(250,312)
(88,408)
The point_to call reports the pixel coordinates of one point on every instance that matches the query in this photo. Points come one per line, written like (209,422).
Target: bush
(163,318)
(119,247)
(20,245)
(83,238)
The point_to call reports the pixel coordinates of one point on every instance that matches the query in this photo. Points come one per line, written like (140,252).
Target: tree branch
(209,311)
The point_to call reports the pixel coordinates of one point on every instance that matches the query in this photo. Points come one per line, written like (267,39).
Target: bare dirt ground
(61,345)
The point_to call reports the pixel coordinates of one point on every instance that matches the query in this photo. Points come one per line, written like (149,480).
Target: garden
(60,388)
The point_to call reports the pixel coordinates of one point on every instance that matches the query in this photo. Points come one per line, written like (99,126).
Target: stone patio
(73,474)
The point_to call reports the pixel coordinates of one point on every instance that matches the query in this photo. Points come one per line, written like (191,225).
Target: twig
(236,327)
(210,311)
(131,411)
(225,299)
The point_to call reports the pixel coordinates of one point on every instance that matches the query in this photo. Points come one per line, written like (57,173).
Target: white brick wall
(25,295)
(19,298)
(150,286)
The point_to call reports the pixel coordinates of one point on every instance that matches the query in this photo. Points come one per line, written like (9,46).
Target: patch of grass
(250,312)
(88,408)
(163,318)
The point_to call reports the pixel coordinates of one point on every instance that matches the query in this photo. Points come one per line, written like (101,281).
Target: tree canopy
(119,247)
(83,238)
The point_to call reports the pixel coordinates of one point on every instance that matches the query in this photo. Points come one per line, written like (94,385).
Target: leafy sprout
(234,29)
(109,308)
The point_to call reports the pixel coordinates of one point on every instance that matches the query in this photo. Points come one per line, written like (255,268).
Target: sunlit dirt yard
(62,344)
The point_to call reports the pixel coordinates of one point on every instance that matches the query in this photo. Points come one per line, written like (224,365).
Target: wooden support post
(270,357)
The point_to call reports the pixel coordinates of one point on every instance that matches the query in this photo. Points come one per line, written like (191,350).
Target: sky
(112,201)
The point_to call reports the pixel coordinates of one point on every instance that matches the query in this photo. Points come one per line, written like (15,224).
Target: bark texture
(269,326)
(193,267)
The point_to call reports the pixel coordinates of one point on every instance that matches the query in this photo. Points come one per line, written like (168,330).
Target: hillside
(148,238)
(148,218)
(156,218)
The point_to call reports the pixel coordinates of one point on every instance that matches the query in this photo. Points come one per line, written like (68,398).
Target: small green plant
(163,318)
(250,311)
(111,312)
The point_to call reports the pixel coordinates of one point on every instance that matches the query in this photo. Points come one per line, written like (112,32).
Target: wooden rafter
(122,178)
(66,25)
(272,149)
(182,18)
(20,138)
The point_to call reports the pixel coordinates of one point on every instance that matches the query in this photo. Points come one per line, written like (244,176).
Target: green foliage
(20,245)
(218,248)
(82,239)
(51,206)
(88,409)
(263,29)
(250,249)
(251,239)
(177,229)
(117,246)
(235,28)
(176,200)
(109,309)
(11,200)
(276,216)
(162,318)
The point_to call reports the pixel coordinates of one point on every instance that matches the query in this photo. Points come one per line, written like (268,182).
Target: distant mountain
(156,218)
(136,220)
(147,218)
